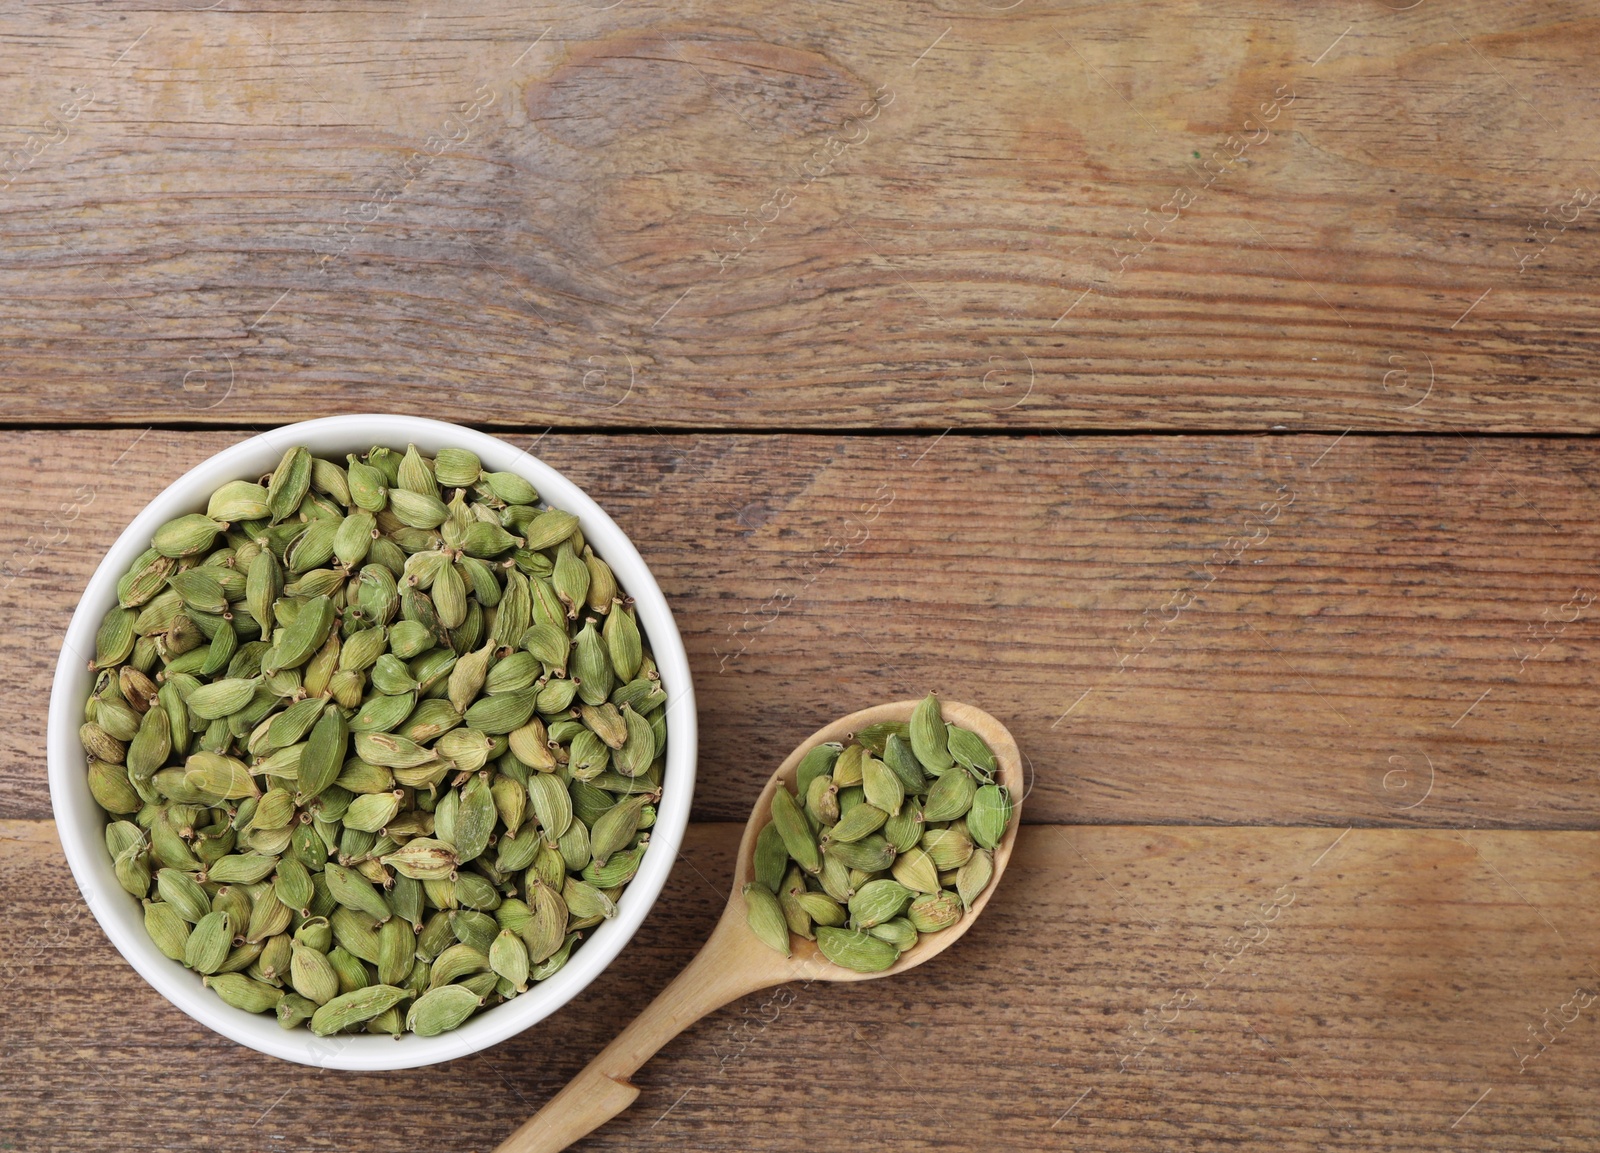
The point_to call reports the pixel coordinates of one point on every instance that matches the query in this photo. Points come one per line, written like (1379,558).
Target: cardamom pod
(766,917)
(349,1009)
(856,949)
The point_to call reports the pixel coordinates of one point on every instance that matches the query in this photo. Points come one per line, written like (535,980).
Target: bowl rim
(80,822)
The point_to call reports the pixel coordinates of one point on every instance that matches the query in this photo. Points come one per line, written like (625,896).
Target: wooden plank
(1108,1000)
(936,215)
(1402,643)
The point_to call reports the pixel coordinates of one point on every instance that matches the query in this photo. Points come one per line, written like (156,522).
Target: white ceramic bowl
(81,822)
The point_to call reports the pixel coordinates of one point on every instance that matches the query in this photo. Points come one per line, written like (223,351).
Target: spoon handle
(726,968)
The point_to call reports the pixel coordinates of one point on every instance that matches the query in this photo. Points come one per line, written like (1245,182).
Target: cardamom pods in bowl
(357,742)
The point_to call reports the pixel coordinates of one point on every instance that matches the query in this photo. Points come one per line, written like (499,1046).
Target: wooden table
(1226,379)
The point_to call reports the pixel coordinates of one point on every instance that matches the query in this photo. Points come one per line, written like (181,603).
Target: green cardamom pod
(618,870)
(294,1010)
(114,642)
(241,869)
(822,802)
(207,946)
(899,932)
(771,857)
(584,900)
(111,788)
(950,848)
(766,918)
(372,811)
(353,891)
(503,714)
(167,928)
(874,738)
(221,698)
(312,975)
(239,500)
(796,833)
(817,762)
(515,674)
(933,912)
(441,1009)
(856,949)
(306,634)
(392,751)
(269,916)
(329,478)
(241,992)
(349,1009)
(185,536)
(475,820)
(794,912)
(546,928)
(878,901)
(550,527)
(882,786)
(557,695)
(822,909)
(460,960)
(950,797)
(424,859)
(324,755)
(987,818)
(485,541)
(615,829)
(353,538)
(861,821)
(356,932)
(871,854)
(847,767)
(263,585)
(369,488)
(382,713)
(291,726)
(591,666)
(145,578)
(930,737)
(623,642)
(290,482)
(915,869)
(973,877)
(508,957)
(292,884)
(552,804)
(969,751)
(397,951)
(417,510)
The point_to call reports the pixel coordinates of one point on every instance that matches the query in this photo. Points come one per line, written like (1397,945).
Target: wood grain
(942,213)
(1400,645)
(805,296)
(1107,999)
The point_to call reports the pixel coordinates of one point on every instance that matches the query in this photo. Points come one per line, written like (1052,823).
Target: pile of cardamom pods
(379,741)
(889,837)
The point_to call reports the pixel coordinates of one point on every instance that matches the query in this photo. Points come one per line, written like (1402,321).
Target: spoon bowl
(807,962)
(735,962)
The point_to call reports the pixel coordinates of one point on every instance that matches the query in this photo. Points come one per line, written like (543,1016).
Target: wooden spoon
(734,962)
